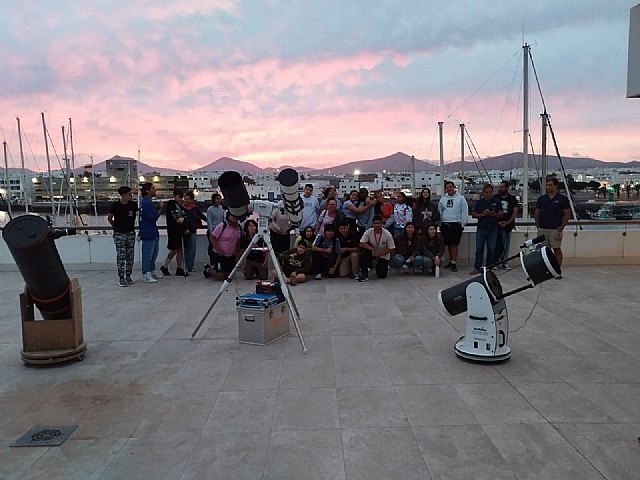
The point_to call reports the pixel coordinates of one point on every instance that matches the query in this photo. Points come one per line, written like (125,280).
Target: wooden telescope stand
(47,342)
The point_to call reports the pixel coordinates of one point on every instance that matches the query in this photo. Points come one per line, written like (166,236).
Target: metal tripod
(262,233)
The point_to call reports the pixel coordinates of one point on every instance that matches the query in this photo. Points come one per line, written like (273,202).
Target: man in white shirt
(377,243)
(310,210)
(454,213)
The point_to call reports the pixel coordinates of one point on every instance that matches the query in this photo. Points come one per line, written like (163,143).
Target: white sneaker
(157,275)
(148,278)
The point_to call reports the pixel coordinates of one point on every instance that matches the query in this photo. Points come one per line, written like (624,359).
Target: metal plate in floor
(45,436)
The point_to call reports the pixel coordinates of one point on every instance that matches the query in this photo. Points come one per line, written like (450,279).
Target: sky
(316,84)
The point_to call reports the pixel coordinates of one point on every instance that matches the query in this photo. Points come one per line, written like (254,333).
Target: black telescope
(31,242)
(235,194)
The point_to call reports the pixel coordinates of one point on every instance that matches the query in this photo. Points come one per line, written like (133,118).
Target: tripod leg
(293,309)
(226,283)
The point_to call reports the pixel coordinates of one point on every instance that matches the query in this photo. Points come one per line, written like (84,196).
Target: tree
(637,187)
(616,188)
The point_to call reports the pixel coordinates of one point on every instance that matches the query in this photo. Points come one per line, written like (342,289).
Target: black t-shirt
(124,216)
(350,241)
(508,204)
(254,255)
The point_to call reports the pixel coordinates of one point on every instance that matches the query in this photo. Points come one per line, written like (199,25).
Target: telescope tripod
(262,233)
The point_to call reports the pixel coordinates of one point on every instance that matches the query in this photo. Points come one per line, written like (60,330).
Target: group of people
(337,237)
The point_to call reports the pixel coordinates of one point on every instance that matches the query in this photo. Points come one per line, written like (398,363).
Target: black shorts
(223,264)
(451,232)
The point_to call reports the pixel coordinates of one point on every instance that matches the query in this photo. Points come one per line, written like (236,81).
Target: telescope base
(460,349)
(52,341)
(51,357)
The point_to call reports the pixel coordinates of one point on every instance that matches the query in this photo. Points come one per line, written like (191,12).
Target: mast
(24,175)
(462,154)
(67,174)
(7,197)
(440,134)
(73,168)
(413,175)
(93,186)
(46,147)
(545,124)
(525,134)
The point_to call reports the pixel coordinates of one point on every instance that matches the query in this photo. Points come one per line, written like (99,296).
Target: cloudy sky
(319,83)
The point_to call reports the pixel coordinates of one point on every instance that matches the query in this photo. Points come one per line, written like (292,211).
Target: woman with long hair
(407,244)
(255,265)
(308,235)
(425,212)
(430,250)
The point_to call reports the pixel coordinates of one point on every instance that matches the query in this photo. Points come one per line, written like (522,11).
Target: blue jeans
(398,260)
(150,250)
(488,237)
(189,242)
(504,237)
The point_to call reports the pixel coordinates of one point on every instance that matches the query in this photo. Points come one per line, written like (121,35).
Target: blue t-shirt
(551,210)
(493,204)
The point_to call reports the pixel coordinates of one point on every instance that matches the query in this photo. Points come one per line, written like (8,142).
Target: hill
(398,162)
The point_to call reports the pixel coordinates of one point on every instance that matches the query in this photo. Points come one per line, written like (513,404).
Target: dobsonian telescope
(487,330)
(58,336)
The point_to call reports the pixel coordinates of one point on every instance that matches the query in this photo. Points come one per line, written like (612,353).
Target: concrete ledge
(580,247)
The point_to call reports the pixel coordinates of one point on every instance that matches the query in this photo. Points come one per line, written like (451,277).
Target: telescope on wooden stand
(57,337)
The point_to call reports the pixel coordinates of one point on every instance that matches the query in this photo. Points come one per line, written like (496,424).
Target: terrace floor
(380,395)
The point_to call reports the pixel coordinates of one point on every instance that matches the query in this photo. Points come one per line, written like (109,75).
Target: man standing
(310,210)
(506,223)
(552,215)
(149,234)
(122,218)
(487,210)
(377,243)
(454,213)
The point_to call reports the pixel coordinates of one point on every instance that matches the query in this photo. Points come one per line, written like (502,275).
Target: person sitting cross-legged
(430,250)
(376,243)
(349,259)
(296,263)
(406,247)
(325,254)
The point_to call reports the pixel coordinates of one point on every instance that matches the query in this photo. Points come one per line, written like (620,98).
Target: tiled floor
(380,395)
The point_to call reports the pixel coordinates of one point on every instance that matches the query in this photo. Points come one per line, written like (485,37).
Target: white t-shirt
(309,212)
(379,241)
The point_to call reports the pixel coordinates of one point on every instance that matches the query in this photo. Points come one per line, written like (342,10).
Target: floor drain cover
(45,436)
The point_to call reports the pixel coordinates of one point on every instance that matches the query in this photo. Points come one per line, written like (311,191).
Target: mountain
(514,160)
(225,163)
(398,162)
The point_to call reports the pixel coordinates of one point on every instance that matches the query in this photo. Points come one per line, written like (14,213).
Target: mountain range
(397,162)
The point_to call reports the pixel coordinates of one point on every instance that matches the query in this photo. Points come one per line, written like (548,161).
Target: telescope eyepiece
(56,233)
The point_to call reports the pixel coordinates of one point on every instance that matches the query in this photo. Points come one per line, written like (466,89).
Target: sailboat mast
(46,147)
(462,154)
(67,174)
(525,134)
(440,135)
(93,186)
(7,197)
(73,165)
(24,175)
(413,176)
(545,124)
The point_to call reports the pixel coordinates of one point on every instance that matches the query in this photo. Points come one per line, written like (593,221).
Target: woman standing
(425,212)
(330,216)
(402,214)
(193,221)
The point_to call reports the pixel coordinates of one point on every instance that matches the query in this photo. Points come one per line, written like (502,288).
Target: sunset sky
(314,84)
